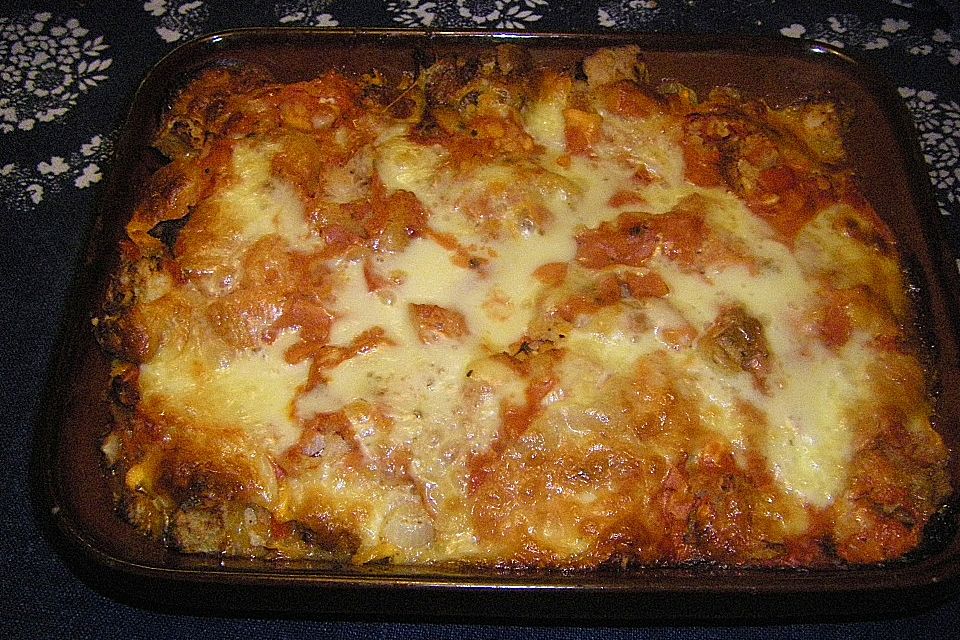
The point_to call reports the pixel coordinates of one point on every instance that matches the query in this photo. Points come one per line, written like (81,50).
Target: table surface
(67,71)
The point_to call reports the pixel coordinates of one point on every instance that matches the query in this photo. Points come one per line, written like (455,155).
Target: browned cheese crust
(499,314)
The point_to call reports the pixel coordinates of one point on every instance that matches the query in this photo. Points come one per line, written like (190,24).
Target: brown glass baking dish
(74,498)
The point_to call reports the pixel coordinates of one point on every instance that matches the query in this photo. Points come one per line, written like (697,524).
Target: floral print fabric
(68,69)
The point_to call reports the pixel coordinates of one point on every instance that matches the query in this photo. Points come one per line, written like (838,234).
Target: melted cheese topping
(807,444)
(491,381)
(186,382)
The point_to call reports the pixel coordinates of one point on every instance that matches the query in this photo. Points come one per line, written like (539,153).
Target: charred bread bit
(513,316)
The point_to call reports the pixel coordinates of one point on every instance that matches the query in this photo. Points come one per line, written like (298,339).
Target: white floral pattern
(845,29)
(499,14)
(679,15)
(51,159)
(627,13)
(178,20)
(841,30)
(24,187)
(938,123)
(312,13)
(45,64)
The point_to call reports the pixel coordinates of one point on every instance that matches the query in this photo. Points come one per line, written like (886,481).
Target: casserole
(756,71)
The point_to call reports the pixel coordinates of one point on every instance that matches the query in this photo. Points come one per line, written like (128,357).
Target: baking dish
(74,491)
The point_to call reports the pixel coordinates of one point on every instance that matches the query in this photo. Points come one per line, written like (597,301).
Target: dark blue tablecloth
(68,71)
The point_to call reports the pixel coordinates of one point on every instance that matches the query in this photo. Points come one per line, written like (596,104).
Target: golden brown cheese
(496,314)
